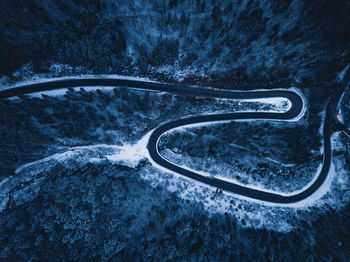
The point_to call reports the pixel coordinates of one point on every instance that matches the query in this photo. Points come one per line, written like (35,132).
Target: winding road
(295,111)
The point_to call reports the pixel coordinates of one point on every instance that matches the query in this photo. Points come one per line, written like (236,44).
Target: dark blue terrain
(107,212)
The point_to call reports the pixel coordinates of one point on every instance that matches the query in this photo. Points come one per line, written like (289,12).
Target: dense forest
(232,44)
(107,211)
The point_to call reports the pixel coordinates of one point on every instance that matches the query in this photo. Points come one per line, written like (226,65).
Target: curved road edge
(152,146)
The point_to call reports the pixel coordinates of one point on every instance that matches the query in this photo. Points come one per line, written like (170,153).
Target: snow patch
(342,73)
(42,79)
(126,155)
(131,155)
(62,91)
(282,104)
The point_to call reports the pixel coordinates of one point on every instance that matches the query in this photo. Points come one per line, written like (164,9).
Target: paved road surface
(246,191)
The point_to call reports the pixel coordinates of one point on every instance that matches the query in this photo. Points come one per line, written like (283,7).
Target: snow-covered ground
(280,183)
(4,84)
(251,213)
(29,177)
(270,216)
(248,213)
